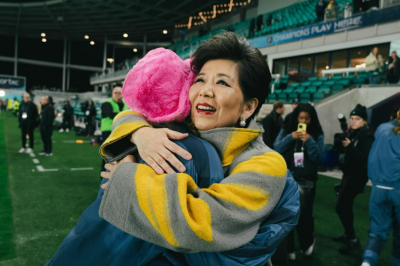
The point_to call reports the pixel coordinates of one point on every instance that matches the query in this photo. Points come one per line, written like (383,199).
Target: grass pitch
(44,206)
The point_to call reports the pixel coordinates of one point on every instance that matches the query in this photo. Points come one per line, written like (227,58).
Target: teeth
(202,107)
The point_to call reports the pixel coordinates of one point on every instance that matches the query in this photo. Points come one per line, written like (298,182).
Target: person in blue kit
(94,241)
(384,203)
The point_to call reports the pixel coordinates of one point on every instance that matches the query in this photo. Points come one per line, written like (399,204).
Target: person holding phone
(301,142)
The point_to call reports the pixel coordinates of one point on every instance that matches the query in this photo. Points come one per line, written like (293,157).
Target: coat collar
(231,141)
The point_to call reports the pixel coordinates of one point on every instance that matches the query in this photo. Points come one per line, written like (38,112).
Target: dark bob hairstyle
(314,128)
(253,70)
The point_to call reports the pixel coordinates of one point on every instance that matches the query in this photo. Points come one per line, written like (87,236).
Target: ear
(249,108)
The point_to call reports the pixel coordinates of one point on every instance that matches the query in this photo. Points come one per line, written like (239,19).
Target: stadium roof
(98,18)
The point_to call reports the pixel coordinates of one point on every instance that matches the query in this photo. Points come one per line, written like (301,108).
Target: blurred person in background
(357,145)
(90,117)
(303,151)
(295,103)
(393,68)
(9,104)
(393,114)
(320,10)
(373,62)
(16,107)
(67,117)
(384,202)
(27,119)
(272,123)
(46,125)
(109,110)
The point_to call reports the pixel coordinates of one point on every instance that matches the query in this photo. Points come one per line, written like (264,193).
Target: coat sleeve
(315,149)
(171,211)
(283,142)
(369,60)
(361,151)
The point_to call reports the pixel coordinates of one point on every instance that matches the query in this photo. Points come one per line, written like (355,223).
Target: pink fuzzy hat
(158,87)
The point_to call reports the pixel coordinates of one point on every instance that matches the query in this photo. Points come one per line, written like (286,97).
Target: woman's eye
(199,80)
(221,82)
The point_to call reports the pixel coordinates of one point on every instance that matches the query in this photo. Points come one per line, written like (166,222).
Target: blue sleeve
(282,142)
(315,149)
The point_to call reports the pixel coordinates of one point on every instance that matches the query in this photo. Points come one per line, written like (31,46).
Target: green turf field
(46,205)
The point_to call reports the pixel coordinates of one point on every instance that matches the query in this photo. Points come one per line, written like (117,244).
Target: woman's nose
(207,91)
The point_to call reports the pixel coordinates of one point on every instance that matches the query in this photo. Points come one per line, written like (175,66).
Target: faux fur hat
(158,87)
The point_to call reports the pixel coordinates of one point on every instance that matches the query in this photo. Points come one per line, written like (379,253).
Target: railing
(343,70)
(389,3)
(274,77)
(110,77)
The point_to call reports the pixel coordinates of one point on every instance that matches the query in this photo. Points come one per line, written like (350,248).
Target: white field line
(82,169)
(36,161)
(41,169)
(32,154)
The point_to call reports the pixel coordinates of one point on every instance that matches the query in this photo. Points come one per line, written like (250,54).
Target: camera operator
(303,150)
(357,143)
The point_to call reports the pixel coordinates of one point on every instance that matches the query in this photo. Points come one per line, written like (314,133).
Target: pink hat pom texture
(158,87)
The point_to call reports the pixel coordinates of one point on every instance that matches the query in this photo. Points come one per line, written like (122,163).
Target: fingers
(109,166)
(104,186)
(169,157)
(106,175)
(153,164)
(175,135)
(163,164)
(175,148)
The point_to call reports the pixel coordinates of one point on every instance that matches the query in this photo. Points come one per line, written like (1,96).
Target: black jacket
(47,117)
(29,110)
(272,125)
(355,165)
(90,113)
(320,9)
(68,111)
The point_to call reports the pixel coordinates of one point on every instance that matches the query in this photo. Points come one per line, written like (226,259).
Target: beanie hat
(360,111)
(157,87)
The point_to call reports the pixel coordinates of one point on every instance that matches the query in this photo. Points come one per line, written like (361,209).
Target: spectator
(1,104)
(27,122)
(272,124)
(295,103)
(393,68)
(109,110)
(357,146)
(331,9)
(269,20)
(90,118)
(393,114)
(252,28)
(384,203)
(303,151)
(16,107)
(9,104)
(259,22)
(320,10)
(373,62)
(67,117)
(46,125)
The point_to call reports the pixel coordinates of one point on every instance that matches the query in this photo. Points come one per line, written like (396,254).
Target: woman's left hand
(305,137)
(112,166)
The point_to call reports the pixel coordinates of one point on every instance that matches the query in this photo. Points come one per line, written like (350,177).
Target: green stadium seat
(276,90)
(362,75)
(293,96)
(305,97)
(317,83)
(360,81)
(271,98)
(350,76)
(282,97)
(311,89)
(294,85)
(325,90)
(306,84)
(300,89)
(325,78)
(318,96)
(344,82)
(311,79)
(330,83)
(288,90)
(337,77)
(337,88)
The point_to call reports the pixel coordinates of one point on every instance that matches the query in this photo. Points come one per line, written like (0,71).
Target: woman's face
(356,122)
(304,117)
(215,96)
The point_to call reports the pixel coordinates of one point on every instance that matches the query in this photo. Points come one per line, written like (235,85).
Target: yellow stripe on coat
(153,200)
(270,164)
(237,142)
(195,210)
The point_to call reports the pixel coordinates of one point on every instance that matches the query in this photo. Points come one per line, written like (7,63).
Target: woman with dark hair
(239,216)
(303,151)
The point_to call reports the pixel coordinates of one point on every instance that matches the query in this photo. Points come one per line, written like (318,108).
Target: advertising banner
(11,82)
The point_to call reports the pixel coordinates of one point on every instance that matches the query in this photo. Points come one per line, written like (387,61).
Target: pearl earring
(243,122)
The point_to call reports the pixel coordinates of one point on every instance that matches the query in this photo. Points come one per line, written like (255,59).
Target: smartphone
(302,127)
